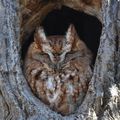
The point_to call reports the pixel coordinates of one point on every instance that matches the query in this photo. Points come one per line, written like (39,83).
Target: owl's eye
(74,54)
(43,54)
(40,56)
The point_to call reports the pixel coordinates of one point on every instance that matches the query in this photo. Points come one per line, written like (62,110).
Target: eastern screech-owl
(58,69)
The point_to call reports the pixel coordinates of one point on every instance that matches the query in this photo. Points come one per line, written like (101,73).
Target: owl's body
(58,70)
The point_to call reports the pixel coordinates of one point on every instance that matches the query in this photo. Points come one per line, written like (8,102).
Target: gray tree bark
(102,101)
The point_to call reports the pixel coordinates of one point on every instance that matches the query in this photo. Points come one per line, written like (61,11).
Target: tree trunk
(102,100)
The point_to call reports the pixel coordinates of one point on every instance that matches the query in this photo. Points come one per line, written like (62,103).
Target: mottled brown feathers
(58,71)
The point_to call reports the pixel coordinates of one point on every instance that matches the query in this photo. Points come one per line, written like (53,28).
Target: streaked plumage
(58,71)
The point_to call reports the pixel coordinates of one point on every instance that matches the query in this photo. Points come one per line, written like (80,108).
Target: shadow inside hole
(56,23)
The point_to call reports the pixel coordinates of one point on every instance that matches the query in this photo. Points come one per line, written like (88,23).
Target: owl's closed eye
(57,69)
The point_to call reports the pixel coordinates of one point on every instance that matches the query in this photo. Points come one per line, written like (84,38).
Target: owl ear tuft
(40,36)
(71,33)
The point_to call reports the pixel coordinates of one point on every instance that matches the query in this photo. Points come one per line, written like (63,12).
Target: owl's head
(56,49)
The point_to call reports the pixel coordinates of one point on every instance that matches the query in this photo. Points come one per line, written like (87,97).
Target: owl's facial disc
(56,47)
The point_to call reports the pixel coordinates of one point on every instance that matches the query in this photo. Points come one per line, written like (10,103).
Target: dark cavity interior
(88,27)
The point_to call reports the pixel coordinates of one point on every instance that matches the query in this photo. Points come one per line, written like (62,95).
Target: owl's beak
(56,58)
(56,67)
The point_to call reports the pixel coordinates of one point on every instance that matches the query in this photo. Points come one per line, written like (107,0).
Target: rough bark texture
(102,101)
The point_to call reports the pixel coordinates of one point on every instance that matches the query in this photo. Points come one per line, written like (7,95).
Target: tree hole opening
(88,27)
(57,21)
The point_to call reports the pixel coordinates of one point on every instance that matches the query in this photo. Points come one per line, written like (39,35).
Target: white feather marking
(73,74)
(47,49)
(66,77)
(70,89)
(62,57)
(57,78)
(54,97)
(45,46)
(68,46)
(43,75)
(50,83)
(68,35)
(35,71)
(42,34)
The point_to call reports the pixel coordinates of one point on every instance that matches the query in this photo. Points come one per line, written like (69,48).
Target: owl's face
(55,51)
